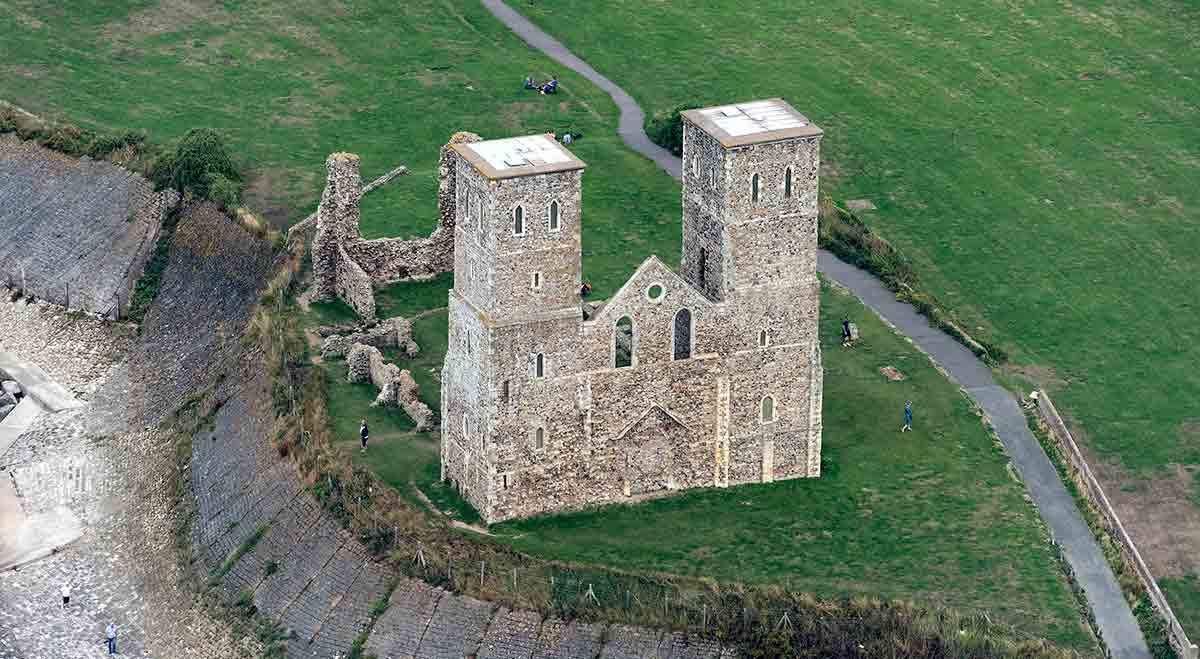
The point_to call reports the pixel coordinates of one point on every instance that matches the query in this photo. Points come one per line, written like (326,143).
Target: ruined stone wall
(396,387)
(395,332)
(347,266)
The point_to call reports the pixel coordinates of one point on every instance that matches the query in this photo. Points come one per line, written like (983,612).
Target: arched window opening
(537,281)
(504,391)
(787,182)
(700,275)
(468,335)
(554,216)
(623,343)
(539,438)
(466,426)
(539,366)
(754,188)
(767,409)
(519,221)
(683,334)
(695,166)
(764,338)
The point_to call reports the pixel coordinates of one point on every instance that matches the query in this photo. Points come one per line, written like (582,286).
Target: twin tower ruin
(706,377)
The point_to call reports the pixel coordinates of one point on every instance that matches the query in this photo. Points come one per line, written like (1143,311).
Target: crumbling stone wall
(395,332)
(725,381)
(347,266)
(396,387)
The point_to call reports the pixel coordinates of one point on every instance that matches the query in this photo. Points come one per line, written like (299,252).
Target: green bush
(199,159)
(103,145)
(666,129)
(226,193)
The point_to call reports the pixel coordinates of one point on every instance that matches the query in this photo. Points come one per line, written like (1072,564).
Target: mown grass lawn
(934,515)
(288,83)
(1038,160)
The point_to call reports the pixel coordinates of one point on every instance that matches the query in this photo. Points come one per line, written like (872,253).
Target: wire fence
(765,621)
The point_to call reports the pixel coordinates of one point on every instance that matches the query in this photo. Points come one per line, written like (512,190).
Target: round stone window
(655,292)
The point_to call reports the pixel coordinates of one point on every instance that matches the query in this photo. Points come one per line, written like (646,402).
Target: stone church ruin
(706,377)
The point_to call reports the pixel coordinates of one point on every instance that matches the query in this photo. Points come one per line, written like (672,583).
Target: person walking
(364,434)
(907,416)
(110,634)
(845,332)
(66,594)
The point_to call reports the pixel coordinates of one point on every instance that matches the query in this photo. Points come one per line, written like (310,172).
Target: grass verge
(379,507)
(1151,623)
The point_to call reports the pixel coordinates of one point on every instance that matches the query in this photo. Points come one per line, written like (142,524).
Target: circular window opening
(655,292)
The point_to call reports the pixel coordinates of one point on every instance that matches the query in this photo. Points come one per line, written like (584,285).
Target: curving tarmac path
(1116,623)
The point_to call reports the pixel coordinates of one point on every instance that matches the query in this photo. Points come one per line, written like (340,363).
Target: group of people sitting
(550,87)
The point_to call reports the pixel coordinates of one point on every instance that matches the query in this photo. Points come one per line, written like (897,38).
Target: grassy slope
(290,82)
(1038,160)
(931,515)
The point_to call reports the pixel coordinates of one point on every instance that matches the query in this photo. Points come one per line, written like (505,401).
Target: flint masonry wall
(347,266)
(725,381)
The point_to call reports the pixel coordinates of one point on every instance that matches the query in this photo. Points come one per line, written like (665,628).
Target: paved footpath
(1114,619)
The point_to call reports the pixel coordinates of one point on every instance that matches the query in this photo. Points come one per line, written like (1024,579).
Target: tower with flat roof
(749,196)
(706,378)
(750,243)
(515,303)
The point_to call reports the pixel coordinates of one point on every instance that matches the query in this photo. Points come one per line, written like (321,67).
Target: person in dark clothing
(551,87)
(845,331)
(907,416)
(530,83)
(364,434)
(585,289)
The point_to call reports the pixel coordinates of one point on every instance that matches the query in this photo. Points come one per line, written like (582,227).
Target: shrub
(8,120)
(199,159)
(66,138)
(666,129)
(225,192)
(103,145)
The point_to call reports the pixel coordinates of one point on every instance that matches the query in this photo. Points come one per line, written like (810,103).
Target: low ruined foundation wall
(1082,474)
(389,260)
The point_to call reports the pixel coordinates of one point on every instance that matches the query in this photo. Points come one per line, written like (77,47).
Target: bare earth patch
(1157,511)
(892,373)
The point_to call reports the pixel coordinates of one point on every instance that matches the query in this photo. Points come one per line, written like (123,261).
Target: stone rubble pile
(396,387)
(391,333)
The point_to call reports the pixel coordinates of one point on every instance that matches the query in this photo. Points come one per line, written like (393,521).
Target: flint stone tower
(707,378)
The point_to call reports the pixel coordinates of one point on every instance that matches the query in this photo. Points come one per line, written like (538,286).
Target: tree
(666,130)
(198,162)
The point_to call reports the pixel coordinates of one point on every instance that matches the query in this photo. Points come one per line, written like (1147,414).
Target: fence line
(1082,474)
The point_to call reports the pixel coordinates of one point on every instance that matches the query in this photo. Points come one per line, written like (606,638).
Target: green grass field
(288,83)
(934,515)
(1037,160)
(1034,159)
